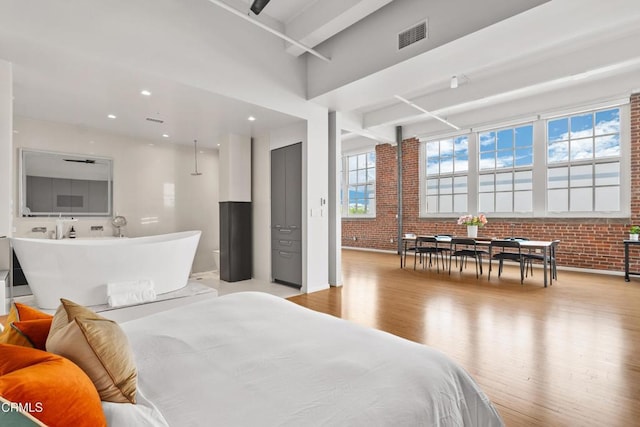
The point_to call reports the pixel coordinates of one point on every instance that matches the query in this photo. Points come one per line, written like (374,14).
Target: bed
(250,359)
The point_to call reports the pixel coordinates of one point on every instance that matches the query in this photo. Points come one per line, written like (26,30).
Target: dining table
(543,246)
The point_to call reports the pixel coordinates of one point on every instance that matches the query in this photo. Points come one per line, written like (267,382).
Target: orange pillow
(52,388)
(26,334)
(34,331)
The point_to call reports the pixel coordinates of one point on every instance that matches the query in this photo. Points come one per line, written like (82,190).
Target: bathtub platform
(192,292)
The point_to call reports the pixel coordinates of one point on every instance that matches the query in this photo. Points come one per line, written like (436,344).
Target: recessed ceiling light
(218,145)
(251,119)
(201,152)
(16,131)
(164,135)
(151,144)
(111,116)
(145,92)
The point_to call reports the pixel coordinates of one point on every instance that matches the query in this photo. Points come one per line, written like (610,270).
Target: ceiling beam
(265,27)
(327,18)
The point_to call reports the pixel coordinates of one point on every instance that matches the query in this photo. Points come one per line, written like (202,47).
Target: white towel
(131,292)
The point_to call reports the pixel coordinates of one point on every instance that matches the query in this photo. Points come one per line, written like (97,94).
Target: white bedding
(252,359)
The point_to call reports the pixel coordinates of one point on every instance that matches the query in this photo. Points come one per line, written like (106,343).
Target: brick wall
(593,243)
(376,233)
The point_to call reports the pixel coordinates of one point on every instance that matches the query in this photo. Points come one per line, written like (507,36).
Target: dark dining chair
(464,248)
(409,241)
(509,249)
(551,259)
(429,245)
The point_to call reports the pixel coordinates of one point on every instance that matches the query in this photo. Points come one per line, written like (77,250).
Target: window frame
(513,170)
(592,163)
(453,175)
(345,184)
(540,167)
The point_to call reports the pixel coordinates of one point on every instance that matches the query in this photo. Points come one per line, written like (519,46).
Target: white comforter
(252,359)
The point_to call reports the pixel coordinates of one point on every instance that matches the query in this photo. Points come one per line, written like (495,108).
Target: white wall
(153,186)
(6,119)
(315,179)
(6,170)
(235,168)
(261,197)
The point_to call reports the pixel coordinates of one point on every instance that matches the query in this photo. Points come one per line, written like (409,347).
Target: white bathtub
(79,269)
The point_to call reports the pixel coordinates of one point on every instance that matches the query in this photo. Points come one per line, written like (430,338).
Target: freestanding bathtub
(79,269)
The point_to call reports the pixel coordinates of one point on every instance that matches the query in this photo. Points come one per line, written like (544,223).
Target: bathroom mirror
(53,184)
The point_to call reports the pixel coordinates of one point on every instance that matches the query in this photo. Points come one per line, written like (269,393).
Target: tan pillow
(99,347)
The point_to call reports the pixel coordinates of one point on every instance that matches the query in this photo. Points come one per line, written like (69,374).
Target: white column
(235,169)
(334,211)
(315,186)
(6,152)
(261,201)
(6,177)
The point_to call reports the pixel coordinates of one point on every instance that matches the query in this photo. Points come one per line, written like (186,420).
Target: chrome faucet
(39,230)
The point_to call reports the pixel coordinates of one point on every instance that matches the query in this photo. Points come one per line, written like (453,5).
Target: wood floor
(566,355)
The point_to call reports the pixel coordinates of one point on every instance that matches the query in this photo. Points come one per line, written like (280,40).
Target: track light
(258,5)
(454,82)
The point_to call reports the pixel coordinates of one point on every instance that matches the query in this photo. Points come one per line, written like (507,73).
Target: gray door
(278,183)
(293,186)
(286,214)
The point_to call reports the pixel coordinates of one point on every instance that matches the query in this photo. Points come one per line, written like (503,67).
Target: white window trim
(344,185)
(472,184)
(625,167)
(539,167)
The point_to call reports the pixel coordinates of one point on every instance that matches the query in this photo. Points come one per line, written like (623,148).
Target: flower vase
(472,231)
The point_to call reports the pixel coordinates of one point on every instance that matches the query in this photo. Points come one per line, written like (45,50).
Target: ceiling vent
(151,119)
(412,35)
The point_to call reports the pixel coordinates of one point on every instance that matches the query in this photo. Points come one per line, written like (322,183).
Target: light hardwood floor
(567,355)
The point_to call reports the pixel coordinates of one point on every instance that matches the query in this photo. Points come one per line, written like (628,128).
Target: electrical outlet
(390,240)
(355,238)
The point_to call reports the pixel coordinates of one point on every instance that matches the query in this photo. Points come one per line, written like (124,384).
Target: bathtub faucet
(39,230)
(60,222)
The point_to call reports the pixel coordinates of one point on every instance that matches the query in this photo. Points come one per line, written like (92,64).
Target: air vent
(412,35)
(151,119)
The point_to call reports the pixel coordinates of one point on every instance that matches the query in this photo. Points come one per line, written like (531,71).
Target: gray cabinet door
(278,183)
(293,186)
(286,214)
(288,266)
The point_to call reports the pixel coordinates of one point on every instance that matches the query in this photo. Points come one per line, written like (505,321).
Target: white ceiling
(76,61)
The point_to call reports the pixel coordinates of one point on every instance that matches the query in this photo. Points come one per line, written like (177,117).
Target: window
(571,165)
(506,170)
(583,162)
(359,184)
(446,167)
